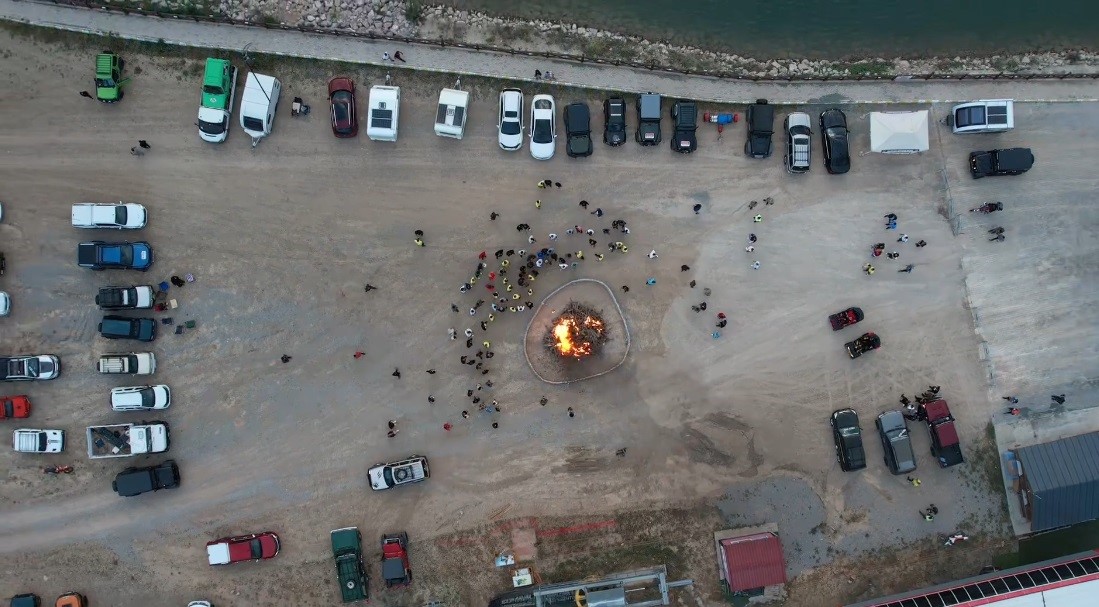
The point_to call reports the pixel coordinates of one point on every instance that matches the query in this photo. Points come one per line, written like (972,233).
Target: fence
(442,43)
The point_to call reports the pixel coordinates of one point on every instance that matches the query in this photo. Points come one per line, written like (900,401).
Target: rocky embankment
(415,19)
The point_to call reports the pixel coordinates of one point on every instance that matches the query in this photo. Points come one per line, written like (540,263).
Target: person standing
(697,208)
(398,56)
(144,145)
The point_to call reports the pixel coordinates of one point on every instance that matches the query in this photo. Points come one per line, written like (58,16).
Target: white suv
(509,122)
(799,129)
(141,398)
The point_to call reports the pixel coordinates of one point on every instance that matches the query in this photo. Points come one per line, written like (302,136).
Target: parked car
(5,303)
(141,398)
(15,407)
(26,600)
(577,130)
(509,120)
(137,480)
(121,327)
(833,137)
(412,469)
(125,298)
(132,363)
(846,318)
(543,127)
(395,568)
(114,215)
(993,163)
(865,343)
(33,440)
(945,445)
(71,599)
(350,573)
(258,105)
(108,77)
(896,442)
(614,121)
(761,125)
(341,94)
(847,434)
(684,125)
(984,116)
(648,119)
(99,255)
(219,90)
(251,547)
(799,131)
(22,368)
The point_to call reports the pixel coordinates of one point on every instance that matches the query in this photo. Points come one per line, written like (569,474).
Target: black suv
(577,130)
(614,121)
(120,327)
(648,119)
(761,125)
(135,481)
(1012,161)
(833,137)
(847,434)
(685,123)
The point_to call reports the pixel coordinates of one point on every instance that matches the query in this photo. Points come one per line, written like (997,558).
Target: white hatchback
(543,127)
(141,398)
(509,122)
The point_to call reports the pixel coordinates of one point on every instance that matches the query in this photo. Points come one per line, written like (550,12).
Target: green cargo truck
(219,88)
(348,552)
(108,77)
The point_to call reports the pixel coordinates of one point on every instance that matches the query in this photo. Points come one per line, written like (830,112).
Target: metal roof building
(1059,481)
(1070,581)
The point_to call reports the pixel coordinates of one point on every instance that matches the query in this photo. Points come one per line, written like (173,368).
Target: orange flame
(564,331)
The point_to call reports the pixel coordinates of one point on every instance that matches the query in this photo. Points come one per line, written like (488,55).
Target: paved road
(489,64)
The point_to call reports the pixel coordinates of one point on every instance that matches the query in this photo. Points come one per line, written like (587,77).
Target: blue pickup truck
(99,255)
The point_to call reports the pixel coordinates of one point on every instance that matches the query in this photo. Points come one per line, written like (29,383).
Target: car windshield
(253,124)
(148,399)
(126,254)
(120,215)
(257,548)
(387,475)
(213,128)
(543,132)
(510,125)
(104,82)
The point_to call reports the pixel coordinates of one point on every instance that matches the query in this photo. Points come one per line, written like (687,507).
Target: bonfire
(578,332)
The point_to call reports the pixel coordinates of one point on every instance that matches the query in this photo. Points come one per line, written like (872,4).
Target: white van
(141,398)
(450,120)
(384,113)
(258,105)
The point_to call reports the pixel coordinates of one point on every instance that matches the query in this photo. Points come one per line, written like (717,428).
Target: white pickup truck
(27,440)
(134,363)
(412,469)
(116,216)
(124,440)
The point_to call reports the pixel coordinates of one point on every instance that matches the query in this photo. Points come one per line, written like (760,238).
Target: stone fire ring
(550,367)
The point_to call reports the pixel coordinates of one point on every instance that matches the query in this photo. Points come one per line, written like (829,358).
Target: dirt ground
(281,241)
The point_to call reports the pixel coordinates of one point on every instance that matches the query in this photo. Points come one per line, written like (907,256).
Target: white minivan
(141,398)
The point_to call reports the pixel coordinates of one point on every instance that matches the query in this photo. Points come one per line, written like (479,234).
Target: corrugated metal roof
(1064,478)
(754,561)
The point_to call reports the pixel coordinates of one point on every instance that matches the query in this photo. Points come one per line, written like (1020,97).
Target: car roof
(891,420)
(577,111)
(763,114)
(800,119)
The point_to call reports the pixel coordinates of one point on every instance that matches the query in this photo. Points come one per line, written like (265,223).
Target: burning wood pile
(578,332)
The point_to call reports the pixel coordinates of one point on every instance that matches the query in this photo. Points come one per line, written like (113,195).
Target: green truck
(219,88)
(348,552)
(108,77)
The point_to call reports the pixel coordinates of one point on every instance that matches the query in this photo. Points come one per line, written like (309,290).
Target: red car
(341,91)
(253,547)
(845,318)
(15,407)
(395,567)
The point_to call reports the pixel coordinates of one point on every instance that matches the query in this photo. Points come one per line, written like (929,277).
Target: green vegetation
(503,34)
(871,68)
(414,11)
(618,559)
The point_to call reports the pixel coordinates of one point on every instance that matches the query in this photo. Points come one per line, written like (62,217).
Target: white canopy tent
(898,132)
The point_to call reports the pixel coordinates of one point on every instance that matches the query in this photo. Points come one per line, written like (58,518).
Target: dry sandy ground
(283,239)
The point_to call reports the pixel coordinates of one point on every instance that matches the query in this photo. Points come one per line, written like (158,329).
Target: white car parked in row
(543,127)
(509,123)
(5,304)
(141,398)
(117,216)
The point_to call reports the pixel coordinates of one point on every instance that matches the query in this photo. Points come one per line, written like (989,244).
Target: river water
(819,29)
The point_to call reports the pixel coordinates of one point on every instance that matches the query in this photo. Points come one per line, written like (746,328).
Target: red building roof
(753,561)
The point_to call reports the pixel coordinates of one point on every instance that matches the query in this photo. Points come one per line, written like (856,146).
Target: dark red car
(846,318)
(252,547)
(395,567)
(341,91)
(15,407)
